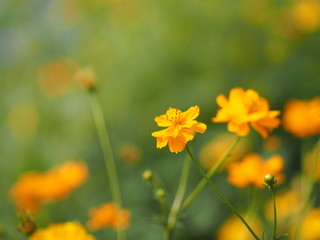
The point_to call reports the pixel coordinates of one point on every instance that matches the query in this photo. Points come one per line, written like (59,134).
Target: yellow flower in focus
(62,231)
(180,128)
(302,117)
(306,15)
(244,107)
(252,168)
(213,150)
(108,215)
(234,229)
(310,227)
(288,204)
(33,189)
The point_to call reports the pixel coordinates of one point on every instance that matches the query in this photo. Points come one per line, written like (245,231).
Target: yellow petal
(162,121)
(199,127)
(177,144)
(222,100)
(162,142)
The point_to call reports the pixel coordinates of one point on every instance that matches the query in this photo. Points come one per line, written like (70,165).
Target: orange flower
(33,189)
(86,78)
(244,107)
(233,229)
(108,215)
(310,225)
(62,231)
(302,117)
(252,168)
(180,127)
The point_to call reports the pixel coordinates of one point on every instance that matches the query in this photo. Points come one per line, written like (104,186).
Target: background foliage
(147,55)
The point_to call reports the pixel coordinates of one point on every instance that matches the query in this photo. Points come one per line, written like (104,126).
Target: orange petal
(177,144)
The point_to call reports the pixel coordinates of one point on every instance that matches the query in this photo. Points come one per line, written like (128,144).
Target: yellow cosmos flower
(244,107)
(108,215)
(252,168)
(302,117)
(234,229)
(33,189)
(180,128)
(310,229)
(62,231)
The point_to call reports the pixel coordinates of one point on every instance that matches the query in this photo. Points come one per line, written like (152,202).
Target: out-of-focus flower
(252,169)
(55,77)
(306,15)
(180,128)
(86,78)
(33,189)
(311,163)
(108,215)
(310,229)
(23,121)
(62,231)
(213,150)
(130,153)
(244,107)
(288,204)
(302,117)
(233,229)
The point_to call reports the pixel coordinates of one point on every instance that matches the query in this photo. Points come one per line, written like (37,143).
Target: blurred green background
(148,55)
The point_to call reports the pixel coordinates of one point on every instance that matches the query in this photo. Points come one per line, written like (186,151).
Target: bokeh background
(148,56)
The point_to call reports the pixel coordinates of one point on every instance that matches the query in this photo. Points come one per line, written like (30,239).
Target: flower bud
(160,193)
(27,224)
(86,78)
(147,175)
(269,179)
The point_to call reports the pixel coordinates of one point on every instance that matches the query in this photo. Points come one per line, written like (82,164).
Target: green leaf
(282,236)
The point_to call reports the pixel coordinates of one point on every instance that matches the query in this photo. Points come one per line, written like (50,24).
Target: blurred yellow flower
(180,127)
(234,229)
(306,15)
(108,215)
(55,77)
(252,168)
(214,149)
(62,231)
(302,117)
(288,204)
(310,227)
(33,189)
(244,107)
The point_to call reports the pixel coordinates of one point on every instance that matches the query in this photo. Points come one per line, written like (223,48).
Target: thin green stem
(223,198)
(176,206)
(210,173)
(274,213)
(107,153)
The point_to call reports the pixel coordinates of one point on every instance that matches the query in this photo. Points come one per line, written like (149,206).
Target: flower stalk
(176,206)
(269,180)
(210,173)
(107,153)
(223,198)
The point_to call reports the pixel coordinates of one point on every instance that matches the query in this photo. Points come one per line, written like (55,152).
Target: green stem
(223,198)
(176,206)
(107,153)
(274,213)
(210,173)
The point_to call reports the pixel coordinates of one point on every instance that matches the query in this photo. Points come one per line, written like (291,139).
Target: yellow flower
(302,117)
(62,231)
(214,149)
(306,15)
(108,215)
(252,168)
(310,229)
(244,107)
(288,204)
(33,189)
(86,78)
(180,127)
(234,229)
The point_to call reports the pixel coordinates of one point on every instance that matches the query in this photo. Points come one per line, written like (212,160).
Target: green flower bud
(269,179)
(147,175)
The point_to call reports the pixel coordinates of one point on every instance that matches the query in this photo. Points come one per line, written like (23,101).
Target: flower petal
(177,144)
